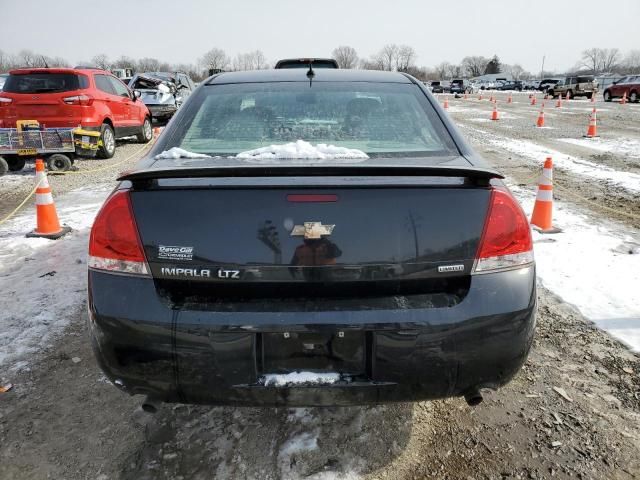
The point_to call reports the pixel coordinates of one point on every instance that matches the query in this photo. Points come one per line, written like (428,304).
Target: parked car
(510,85)
(441,86)
(578,86)
(3,78)
(629,85)
(547,83)
(397,268)
(68,97)
(460,86)
(305,62)
(163,92)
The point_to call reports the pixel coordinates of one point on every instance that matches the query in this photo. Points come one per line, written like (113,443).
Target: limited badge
(312,230)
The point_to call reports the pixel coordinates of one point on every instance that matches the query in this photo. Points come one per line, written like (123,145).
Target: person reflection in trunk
(315,253)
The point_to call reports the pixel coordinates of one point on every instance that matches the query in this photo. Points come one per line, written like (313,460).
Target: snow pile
(592,265)
(43,282)
(537,153)
(301,150)
(300,378)
(621,146)
(175,153)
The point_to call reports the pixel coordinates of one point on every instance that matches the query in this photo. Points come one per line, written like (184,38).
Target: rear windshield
(376,118)
(45,83)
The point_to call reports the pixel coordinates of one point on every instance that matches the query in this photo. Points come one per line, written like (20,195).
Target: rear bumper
(162,110)
(217,357)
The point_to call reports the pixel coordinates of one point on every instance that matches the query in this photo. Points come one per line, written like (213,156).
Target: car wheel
(146,134)
(58,163)
(16,164)
(607,96)
(4,166)
(633,97)
(108,139)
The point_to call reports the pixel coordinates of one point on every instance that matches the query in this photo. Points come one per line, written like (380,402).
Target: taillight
(114,244)
(4,101)
(506,240)
(78,100)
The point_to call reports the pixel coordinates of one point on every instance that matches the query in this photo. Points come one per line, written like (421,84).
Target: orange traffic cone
(157,131)
(465,95)
(546,96)
(480,96)
(592,131)
(559,102)
(566,97)
(446,103)
(623,100)
(494,113)
(540,122)
(593,98)
(533,100)
(542,216)
(510,98)
(48,225)
(491,98)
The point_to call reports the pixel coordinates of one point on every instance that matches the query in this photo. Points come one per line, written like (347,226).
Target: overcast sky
(179,31)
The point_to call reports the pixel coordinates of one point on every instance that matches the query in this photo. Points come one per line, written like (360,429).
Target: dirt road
(572,412)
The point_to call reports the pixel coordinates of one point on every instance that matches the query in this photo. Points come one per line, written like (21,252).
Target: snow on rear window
(373,118)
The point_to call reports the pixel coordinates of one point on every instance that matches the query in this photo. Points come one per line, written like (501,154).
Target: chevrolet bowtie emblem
(312,230)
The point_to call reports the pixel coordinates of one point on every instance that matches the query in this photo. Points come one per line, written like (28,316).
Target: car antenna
(310,73)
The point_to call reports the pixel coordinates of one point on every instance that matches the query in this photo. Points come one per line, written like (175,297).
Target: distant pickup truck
(579,86)
(460,86)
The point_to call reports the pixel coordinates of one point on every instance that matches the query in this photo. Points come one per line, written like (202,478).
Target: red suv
(629,85)
(69,97)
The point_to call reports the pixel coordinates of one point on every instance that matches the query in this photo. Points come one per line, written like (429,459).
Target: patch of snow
(299,378)
(537,153)
(586,266)
(621,146)
(301,150)
(175,153)
(43,281)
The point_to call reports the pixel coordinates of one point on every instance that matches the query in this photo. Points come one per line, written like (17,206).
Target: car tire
(633,97)
(4,166)
(108,139)
(146,132)
(16,164)
(607,96)
(59,163)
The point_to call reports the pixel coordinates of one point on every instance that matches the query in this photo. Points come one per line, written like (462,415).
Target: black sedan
(311,238)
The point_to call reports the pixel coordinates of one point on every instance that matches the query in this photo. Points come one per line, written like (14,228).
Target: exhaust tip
(473,398)
(150,405)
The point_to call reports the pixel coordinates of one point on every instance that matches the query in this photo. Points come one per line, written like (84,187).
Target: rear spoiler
(225,171)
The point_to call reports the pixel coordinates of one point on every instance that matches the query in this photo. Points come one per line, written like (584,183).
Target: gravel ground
(572,412)
(15,186)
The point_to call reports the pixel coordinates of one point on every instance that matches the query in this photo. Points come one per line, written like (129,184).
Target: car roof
(86,71)
(300,75)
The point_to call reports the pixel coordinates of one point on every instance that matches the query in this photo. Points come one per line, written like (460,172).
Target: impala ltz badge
(312,230)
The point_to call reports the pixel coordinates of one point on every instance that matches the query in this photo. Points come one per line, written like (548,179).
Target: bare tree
(442,70)
(101,61)
(26,58)
(631,62)
(405,57)
(610,57)
(346,56)
(474,65)
(249,61)
(516,71)
(148,64)
(591,59)
(124,62)
(386,57)
(215,59)
(454,71)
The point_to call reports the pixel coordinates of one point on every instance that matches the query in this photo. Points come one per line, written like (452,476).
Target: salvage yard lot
(572,412)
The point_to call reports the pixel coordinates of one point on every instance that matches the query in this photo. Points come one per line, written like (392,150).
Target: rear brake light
(78,100)
(311,198)
(114,244)
(5,101)
(506,240)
